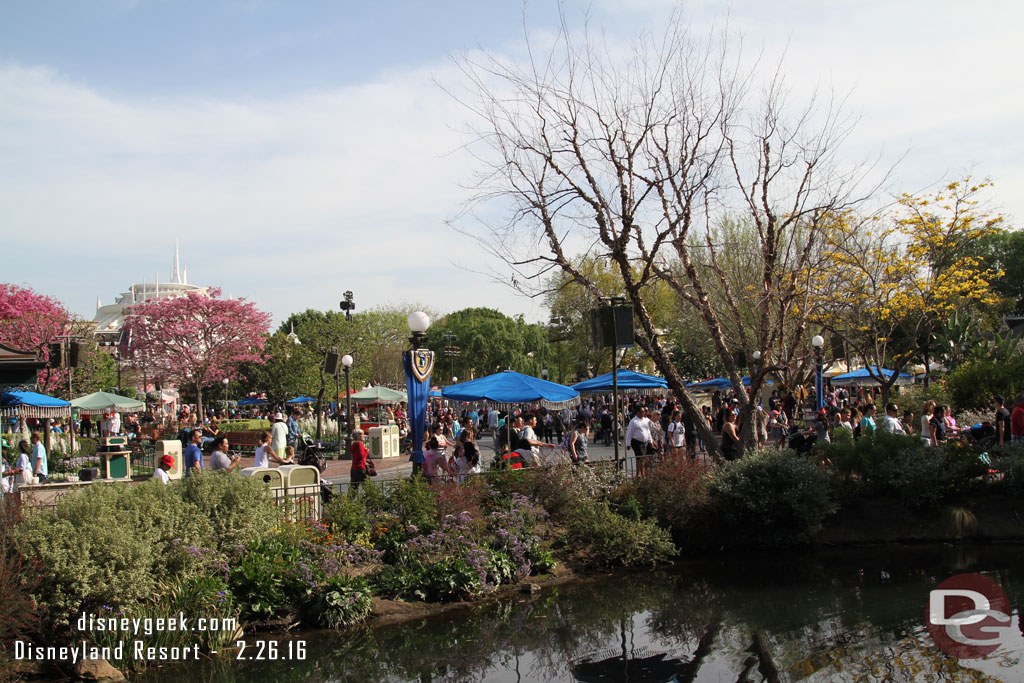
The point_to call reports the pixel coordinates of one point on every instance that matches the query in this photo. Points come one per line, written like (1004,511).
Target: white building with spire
(110,319)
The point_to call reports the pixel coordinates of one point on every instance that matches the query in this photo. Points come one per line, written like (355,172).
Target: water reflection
(814,616)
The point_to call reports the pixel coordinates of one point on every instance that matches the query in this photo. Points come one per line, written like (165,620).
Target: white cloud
(287,202)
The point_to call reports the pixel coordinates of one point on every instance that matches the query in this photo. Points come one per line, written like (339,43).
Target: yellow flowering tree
(895,279)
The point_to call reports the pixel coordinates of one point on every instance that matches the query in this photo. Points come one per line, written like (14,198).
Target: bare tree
(634,155)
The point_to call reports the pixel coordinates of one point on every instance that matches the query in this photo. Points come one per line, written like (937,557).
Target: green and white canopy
(378,395)
(101,402)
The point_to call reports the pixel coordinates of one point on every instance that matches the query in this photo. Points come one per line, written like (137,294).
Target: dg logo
(968,616)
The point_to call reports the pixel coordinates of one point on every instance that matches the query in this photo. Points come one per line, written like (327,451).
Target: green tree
(490,341)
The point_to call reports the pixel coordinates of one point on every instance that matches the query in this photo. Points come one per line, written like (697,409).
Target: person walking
(40,466)
(676,434)
(1017,419)
(362,466)
(891,422)
(279,434)
(193,457)
(638,438)
(578,443)
(730,437)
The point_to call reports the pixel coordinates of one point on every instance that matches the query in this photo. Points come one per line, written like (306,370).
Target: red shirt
(1017,421)
(359,455)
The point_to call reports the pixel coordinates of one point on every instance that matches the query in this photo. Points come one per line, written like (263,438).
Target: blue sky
(298,149)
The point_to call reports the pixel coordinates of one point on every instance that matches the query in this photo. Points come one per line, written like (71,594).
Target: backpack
(564,444)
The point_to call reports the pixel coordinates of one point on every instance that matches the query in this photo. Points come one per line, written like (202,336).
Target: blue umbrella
(301,399)
(627,379)
(863,378)
(511,387)
(31,404)
(252,401)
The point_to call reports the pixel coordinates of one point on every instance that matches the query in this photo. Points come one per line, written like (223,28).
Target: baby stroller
(983,434)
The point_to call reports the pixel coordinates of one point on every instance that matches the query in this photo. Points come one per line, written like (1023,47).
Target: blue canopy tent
(627,379)
(252,401)
(434,393)
(872,377)
(31,404)
(299,400)
(510,387)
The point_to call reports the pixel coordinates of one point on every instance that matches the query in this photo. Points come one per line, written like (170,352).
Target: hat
(278,417)
(167,460)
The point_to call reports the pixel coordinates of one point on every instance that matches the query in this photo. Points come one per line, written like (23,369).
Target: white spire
(184,275)
(133,294)
(98,305)
(176,273)
(157,285)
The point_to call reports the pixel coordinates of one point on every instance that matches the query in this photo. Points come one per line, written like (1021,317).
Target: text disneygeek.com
(129,647)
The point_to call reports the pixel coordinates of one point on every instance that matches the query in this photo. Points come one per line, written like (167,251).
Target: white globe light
(756,355)
(817,341)
(346,360)
(225,380)
(454,380)
(419,321)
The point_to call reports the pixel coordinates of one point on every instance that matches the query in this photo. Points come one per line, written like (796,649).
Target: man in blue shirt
(293,429)
(193,454)
(39,465)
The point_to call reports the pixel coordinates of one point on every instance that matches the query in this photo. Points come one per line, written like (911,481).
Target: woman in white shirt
(676,433)
(468,461)
(264,454)
(926,428)
(24,463)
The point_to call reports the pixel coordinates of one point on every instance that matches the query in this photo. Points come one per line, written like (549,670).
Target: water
(841,615)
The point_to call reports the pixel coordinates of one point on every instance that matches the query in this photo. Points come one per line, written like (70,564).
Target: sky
(296,149)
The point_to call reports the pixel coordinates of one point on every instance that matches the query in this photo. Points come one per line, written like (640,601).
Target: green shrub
(267,576)
(864,456)
(343,601)
(927,477)
(972,385)
(346,516)
(410,502)
(240,508)
(110,544)
(675,491)
(774,498)
(603,537)
(1009,459)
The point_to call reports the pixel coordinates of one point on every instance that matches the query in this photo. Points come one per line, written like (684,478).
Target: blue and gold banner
(419,363)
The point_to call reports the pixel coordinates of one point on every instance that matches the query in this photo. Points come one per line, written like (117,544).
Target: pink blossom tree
(196,339)
(28,322)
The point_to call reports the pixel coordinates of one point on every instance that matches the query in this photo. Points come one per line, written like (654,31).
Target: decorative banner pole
(419,364)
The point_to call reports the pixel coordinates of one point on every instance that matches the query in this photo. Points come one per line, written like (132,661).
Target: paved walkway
(395,468)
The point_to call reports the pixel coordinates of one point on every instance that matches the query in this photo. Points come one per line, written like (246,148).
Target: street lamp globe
(817,341)
(346,360)
(225,380)
(418,321)
(756,355)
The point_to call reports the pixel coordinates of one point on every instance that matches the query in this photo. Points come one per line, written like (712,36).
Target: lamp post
(544,374)
(418,364)
(225,397)
(346,366)
(817,341)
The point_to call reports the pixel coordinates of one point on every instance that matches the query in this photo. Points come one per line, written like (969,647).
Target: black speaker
(622,326)
(88,474)
(331,364)
(56,355)
(611,326)
(77,354)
